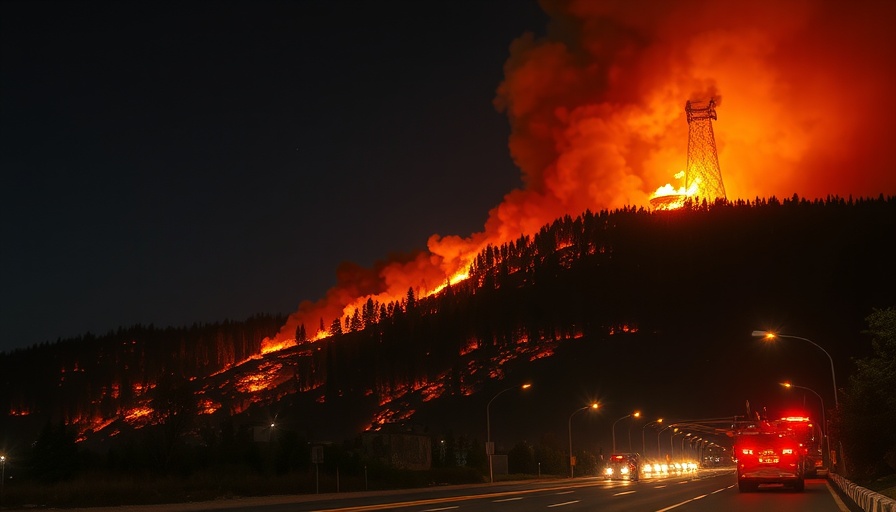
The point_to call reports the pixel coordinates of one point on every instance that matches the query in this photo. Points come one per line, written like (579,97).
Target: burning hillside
(588,279)
(596,114)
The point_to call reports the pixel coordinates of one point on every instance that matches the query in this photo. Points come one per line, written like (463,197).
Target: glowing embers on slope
(264,378)
(428,390)
(619,329)
(88,425)
(389,415)
(139,416)
(208,406)
(471,345)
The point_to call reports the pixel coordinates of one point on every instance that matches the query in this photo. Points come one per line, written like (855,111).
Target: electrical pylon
(703,161)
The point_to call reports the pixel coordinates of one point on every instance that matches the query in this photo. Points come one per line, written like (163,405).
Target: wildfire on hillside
(596,123)
(595,109)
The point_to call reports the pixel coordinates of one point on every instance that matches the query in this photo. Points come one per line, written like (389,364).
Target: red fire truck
(809,434)
(768,452)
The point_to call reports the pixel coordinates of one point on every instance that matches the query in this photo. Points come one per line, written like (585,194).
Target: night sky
(176,162)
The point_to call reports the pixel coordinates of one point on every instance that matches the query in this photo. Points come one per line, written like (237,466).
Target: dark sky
(176,162)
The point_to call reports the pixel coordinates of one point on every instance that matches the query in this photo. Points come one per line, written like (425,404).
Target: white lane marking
(624,493)
(659,487)
(686,481)
(840,504)
(682,503)
(564,492)
(437,509)
(506,499)
(563,504)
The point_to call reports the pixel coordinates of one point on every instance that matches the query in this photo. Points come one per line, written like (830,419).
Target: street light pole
(659,454)
(572,464)
(675,432)
(771,335)
(643,439)
(683,458)
(635,414)
(2,477)
(768,335)
(489,448)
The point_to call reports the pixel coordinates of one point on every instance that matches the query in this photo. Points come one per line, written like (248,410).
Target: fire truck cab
(766,453)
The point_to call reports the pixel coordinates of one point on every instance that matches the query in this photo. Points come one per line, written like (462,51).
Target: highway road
(706,491)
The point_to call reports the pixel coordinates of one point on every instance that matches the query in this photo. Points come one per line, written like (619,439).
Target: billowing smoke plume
(597,115)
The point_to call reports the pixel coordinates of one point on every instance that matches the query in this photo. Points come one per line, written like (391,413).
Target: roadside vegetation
(866,422)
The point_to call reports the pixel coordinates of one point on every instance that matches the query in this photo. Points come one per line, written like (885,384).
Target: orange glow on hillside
(254,382)
(597,120)
(207,406)
(274,345)
(139,416)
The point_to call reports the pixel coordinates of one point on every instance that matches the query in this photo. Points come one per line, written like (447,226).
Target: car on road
(623,466)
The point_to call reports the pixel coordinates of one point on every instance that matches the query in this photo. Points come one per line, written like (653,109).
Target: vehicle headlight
(623,470)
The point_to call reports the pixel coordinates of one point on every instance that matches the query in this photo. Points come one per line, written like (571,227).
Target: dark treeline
(91,376)
(582,277)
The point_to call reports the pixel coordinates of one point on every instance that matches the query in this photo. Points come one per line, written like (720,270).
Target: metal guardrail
(869,500)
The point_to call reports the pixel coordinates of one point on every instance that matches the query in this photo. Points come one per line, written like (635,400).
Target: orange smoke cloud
(597,117)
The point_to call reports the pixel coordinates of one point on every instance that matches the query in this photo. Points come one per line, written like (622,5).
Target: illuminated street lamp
(572,460)
(643,441)
(632,415)
(769,335)
(489,447)
(824,430)
(2,476)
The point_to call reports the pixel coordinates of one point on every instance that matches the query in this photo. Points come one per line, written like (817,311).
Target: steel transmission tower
(703,160)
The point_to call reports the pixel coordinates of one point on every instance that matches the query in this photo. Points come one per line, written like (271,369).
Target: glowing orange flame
(207,406)
(275,345)
(139,416)
(254,382)
(668,197)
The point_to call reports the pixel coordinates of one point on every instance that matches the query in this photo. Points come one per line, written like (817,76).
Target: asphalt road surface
(706,491)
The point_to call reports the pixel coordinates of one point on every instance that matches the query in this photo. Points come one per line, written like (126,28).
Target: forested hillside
(648,277)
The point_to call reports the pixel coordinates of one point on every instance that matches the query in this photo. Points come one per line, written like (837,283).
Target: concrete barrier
(869,500)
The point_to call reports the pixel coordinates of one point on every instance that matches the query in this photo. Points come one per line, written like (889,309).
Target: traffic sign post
(317,457)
